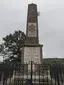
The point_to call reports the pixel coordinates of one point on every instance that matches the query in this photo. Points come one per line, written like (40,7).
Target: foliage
(52,61)
(56,67)
(11,48)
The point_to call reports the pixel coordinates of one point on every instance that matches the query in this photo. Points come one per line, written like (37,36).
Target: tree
(10,49)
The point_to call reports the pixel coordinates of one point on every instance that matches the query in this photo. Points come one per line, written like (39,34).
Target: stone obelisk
(32,50)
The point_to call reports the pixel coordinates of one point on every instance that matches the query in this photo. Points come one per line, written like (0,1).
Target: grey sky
(13,15)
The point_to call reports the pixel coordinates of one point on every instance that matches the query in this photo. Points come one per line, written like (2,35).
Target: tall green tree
(10,49)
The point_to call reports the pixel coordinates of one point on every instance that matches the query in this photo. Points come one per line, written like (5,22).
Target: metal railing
(33,74)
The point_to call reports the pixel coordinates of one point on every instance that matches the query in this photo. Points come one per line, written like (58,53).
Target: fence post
(31,72)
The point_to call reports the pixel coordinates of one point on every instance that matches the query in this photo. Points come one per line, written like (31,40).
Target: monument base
(32,52)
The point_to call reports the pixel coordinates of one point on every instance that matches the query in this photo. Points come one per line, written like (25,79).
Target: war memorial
(32,70)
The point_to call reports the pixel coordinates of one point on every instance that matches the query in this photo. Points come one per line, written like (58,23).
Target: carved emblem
(32,28)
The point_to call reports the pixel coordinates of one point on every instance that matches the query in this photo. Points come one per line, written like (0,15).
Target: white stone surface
(32,54)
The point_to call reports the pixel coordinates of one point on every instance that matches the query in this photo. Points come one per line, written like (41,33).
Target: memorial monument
(32,50)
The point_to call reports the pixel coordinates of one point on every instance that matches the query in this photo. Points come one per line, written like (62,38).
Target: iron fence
(32,74)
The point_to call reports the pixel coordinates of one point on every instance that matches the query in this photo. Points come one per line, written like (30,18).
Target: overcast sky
(13,16)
